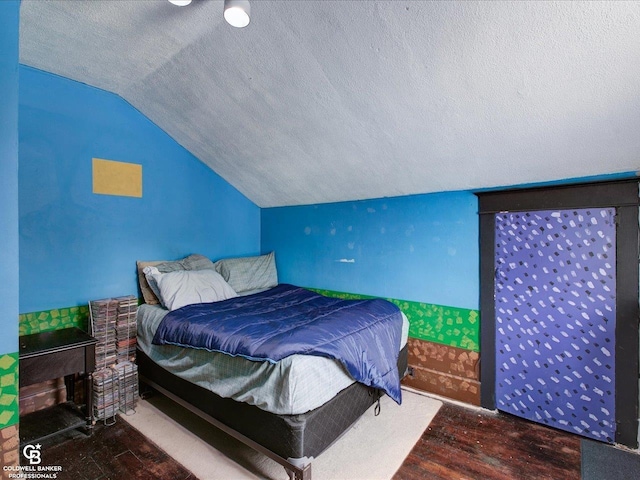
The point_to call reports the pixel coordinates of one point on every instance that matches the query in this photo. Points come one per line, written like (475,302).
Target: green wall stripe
(451,326)
(55,319)
(9,405)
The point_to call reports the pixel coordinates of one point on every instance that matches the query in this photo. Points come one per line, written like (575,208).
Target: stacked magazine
(115,382)
(126,328)
(103,328)
(128,382)
(106,394)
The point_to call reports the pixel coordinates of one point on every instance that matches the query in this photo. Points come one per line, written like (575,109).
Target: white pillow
(186,287)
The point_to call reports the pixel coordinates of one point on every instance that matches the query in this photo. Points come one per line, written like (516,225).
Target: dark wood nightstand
(55,354)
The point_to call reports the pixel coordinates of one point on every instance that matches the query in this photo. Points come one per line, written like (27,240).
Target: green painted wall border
(451,326)
(9,385)
(55,319)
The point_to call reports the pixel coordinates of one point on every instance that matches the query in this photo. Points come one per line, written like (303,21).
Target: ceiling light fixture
(180,3)
(237,12)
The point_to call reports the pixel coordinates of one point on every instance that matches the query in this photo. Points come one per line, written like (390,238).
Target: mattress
(294,385)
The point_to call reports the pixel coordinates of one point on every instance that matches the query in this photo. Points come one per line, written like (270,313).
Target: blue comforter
(364,335)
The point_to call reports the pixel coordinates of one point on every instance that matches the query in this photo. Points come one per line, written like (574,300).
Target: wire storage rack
(128,382)
(115,382)
(126,329)
(106,395)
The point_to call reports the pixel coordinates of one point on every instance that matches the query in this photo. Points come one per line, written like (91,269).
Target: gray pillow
(192,262)
(249,274)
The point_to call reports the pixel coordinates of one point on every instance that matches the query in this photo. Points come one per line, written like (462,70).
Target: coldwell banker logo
(33,454)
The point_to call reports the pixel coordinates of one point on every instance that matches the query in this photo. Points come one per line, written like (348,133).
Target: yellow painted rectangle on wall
(117,178)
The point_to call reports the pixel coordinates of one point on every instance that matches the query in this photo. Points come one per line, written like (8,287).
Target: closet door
(510,378)
(555,314)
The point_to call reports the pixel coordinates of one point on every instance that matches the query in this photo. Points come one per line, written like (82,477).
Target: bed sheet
(294,385)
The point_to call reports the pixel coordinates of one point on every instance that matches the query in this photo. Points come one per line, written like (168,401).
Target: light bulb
(236,12)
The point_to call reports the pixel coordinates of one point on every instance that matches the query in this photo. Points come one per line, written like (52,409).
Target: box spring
(295,438)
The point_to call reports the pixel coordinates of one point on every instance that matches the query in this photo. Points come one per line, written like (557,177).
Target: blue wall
(421,247)
(76,245)
(9,21)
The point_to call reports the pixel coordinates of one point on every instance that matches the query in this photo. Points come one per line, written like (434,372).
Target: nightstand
(55,354)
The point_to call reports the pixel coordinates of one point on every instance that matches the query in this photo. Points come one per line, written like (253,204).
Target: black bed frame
(291,440)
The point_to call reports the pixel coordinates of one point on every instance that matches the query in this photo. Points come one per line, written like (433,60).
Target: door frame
(623,195)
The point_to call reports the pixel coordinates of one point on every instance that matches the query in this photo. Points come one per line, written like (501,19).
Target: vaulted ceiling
(322,101)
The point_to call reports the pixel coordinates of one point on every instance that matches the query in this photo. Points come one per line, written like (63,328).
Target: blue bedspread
(362,334)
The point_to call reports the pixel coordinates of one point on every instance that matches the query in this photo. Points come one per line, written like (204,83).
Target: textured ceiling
(322,101)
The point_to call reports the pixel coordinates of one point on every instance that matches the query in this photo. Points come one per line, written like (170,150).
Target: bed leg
(303,473)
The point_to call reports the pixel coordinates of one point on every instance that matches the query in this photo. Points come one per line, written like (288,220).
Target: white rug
(373,449)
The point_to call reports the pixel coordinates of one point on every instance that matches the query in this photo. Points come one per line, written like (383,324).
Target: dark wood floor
(116,452)
(463,443)
(460,443)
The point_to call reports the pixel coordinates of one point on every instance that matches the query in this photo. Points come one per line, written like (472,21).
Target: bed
(290,409)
